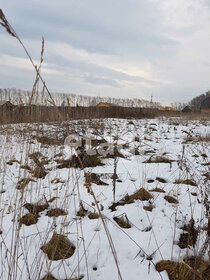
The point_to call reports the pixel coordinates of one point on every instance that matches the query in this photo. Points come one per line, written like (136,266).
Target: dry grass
(122,221)
(56,212)
(186,182)
(171,199)
(142,195)
(58,248)
(159,159)
(28,219)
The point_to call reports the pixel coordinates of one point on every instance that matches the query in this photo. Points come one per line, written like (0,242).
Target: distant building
(167,108)
(205,106)
(104,104)
(186,109)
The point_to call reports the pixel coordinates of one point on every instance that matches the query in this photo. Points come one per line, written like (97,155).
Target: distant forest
(195,103)
(18,97)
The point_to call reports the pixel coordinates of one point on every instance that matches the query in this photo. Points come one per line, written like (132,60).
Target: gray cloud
(151,47)
(130,27)
(108,76)
(101,81)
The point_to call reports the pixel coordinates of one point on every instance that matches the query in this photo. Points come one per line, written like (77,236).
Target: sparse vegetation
(64,214)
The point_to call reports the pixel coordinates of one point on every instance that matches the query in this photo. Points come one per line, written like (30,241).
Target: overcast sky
(118,48)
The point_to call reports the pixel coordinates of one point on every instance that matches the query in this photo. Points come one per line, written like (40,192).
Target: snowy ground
(153,235)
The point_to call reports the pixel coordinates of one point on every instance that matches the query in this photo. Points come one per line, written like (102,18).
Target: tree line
(23,97)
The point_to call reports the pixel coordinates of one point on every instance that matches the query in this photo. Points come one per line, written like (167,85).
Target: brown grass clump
(28,219)
(206,164)
(158,159)
(49,141)
(82,211)
(56,212)
(194,194)
(62,163)
(141,194)
(58,248)
(158,190)
(35,208)
(122,221)
(25,166)
(74,162)
(35,155)
(96,142)
(10,162)
(190,138)
(198,264)
(171,199)
(39,172)
(23,183)
(95,179)
(48,276)
(93,216)
(189,237)
(186,182)
(150,181)
(148,208)
(45,161)
(161,180)
(177,271)
(191,269)
(137,139)
(52,199)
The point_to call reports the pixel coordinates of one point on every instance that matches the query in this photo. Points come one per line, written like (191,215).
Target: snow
(153,236)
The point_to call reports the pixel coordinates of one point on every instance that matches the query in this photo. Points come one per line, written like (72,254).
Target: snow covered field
(122,213)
